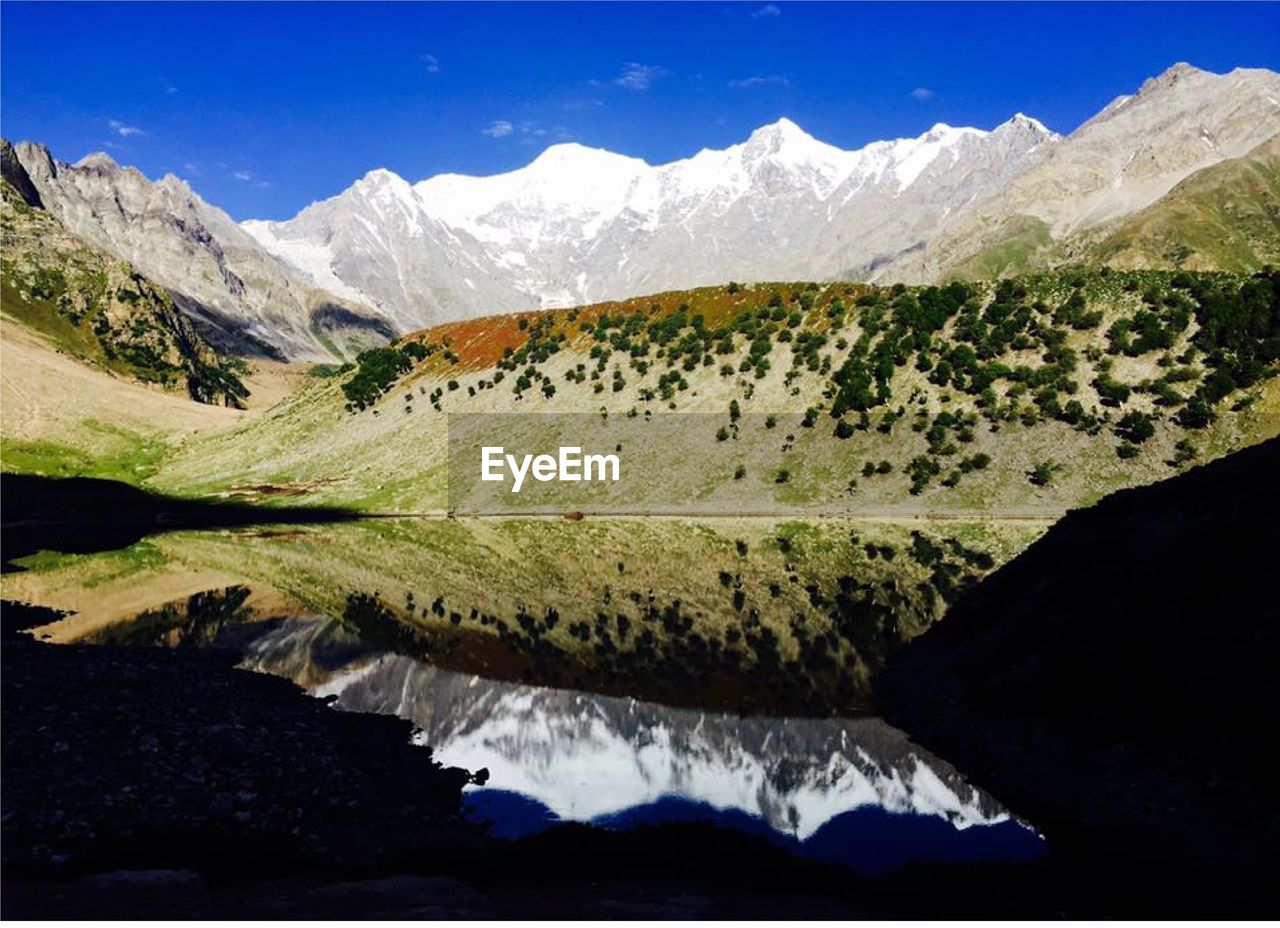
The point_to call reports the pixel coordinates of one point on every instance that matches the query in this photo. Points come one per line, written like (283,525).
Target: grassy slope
(1027,245)
(1225,217)
(63,417)
(392,457)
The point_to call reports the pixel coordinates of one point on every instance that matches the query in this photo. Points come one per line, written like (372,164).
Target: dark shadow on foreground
(84,515)
(1116,684)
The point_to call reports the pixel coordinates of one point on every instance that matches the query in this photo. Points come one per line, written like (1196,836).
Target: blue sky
(266,107)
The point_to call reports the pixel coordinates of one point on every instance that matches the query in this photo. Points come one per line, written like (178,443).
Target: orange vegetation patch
(480,343)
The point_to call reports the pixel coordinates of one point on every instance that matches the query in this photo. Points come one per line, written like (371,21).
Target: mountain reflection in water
(854,791)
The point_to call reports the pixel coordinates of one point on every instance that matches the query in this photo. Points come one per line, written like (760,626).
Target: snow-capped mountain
(586,756)
(218,275)
(579,225)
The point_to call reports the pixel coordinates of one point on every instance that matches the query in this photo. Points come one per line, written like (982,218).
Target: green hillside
(1024,397)
(1222,218)
(1226,217)
(101,310)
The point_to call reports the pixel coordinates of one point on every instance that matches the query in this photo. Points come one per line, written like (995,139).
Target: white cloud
(922,94)
(768,11)
(170,89)
(192,168)
(432,63)
(765,80)
(497,129)
(247,177)
(586,104)
(123,130)
(638,76)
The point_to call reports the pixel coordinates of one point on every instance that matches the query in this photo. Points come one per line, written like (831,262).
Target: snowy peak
(386,190)
(579,224)
(781,129)
(782,149)
(941,132)
(786,139)
(1022,124)
(379,178)
(565,156)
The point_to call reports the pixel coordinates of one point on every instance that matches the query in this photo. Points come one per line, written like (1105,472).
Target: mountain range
(581,225)
(529,736)
(242,299)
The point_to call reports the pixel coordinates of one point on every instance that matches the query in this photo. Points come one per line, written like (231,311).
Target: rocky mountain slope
(1119,162)
(1226,217)
(238,295)
(579,225)
(99,308)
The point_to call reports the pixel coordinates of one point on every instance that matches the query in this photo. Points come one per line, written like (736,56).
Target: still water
(850,790)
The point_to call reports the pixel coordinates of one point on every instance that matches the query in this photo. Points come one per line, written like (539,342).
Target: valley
(901,431)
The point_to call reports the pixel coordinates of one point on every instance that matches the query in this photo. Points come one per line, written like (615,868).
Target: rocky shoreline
(146,782)
(1115,683)
(148,758)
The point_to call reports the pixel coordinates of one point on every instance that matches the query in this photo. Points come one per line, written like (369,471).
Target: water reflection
(851,790)
(769,618)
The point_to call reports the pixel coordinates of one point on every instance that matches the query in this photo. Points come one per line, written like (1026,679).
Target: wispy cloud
(922,94)
(250,178)
(638,76)
(123,130)
(192,168)
(170,89)
(763,80)
(497,129)
(768,11)
(528,132)
(574,106)
(432,63)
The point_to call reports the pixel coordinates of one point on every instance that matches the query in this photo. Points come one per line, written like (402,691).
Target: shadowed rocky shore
(1115,684)
(167,783)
